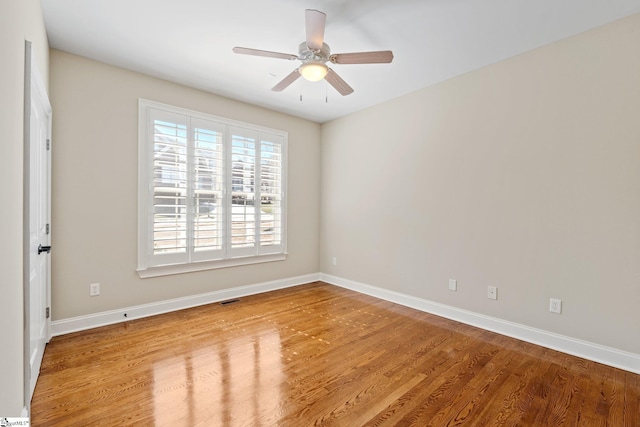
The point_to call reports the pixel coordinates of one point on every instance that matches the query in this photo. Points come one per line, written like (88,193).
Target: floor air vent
(231,301)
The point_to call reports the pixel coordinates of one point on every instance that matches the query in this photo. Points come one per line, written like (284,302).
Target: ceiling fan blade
(336,81)
(267,53)
(284,83)
(378,57)
(315,22)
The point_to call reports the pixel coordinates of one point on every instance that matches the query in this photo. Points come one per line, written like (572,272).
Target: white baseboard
(81,323)
(576,347)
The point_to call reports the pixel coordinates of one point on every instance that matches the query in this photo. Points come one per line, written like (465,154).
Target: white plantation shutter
(169,186)
(208,193)
(271,191)
(212,191)
(243,191)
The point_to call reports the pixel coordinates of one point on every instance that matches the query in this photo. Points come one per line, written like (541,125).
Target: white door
(37,214)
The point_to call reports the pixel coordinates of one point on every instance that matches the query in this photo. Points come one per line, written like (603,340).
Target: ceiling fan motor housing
(307,55)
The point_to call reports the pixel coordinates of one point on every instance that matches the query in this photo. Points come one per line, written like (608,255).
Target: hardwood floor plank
(380,405)
(319,355)
(631,407)
(479,391)
(444,388)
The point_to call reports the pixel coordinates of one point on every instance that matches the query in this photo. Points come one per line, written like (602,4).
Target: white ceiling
(190,41)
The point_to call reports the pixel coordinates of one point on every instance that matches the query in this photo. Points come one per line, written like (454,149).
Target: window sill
(167,270)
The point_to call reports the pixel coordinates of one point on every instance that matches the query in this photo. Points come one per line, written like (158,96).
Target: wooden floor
(320,355)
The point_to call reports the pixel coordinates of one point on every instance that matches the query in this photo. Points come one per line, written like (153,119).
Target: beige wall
(20,20)
(95,189)
(522,175)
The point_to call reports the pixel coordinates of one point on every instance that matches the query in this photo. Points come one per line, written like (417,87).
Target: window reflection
(233,383)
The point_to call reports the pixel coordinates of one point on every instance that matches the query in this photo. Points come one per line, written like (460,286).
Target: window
(211,191)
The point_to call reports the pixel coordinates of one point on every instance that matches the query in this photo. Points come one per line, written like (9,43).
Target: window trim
(145,267)
(166,270)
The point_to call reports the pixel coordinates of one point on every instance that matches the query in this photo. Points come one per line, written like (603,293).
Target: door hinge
(48,312)
(47,229)
(48,144)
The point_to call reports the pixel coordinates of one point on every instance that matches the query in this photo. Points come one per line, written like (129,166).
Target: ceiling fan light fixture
(313,71)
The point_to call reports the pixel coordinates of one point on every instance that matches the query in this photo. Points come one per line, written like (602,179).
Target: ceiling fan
(314,54)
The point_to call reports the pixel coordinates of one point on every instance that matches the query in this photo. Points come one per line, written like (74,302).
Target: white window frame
(152,265)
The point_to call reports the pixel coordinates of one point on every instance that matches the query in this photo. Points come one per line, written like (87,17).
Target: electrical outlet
(453,285)
(334,261)
(555,305)
(492,292)
(94,289)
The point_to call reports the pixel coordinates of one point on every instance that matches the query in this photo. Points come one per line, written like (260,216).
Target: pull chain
(326,92)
